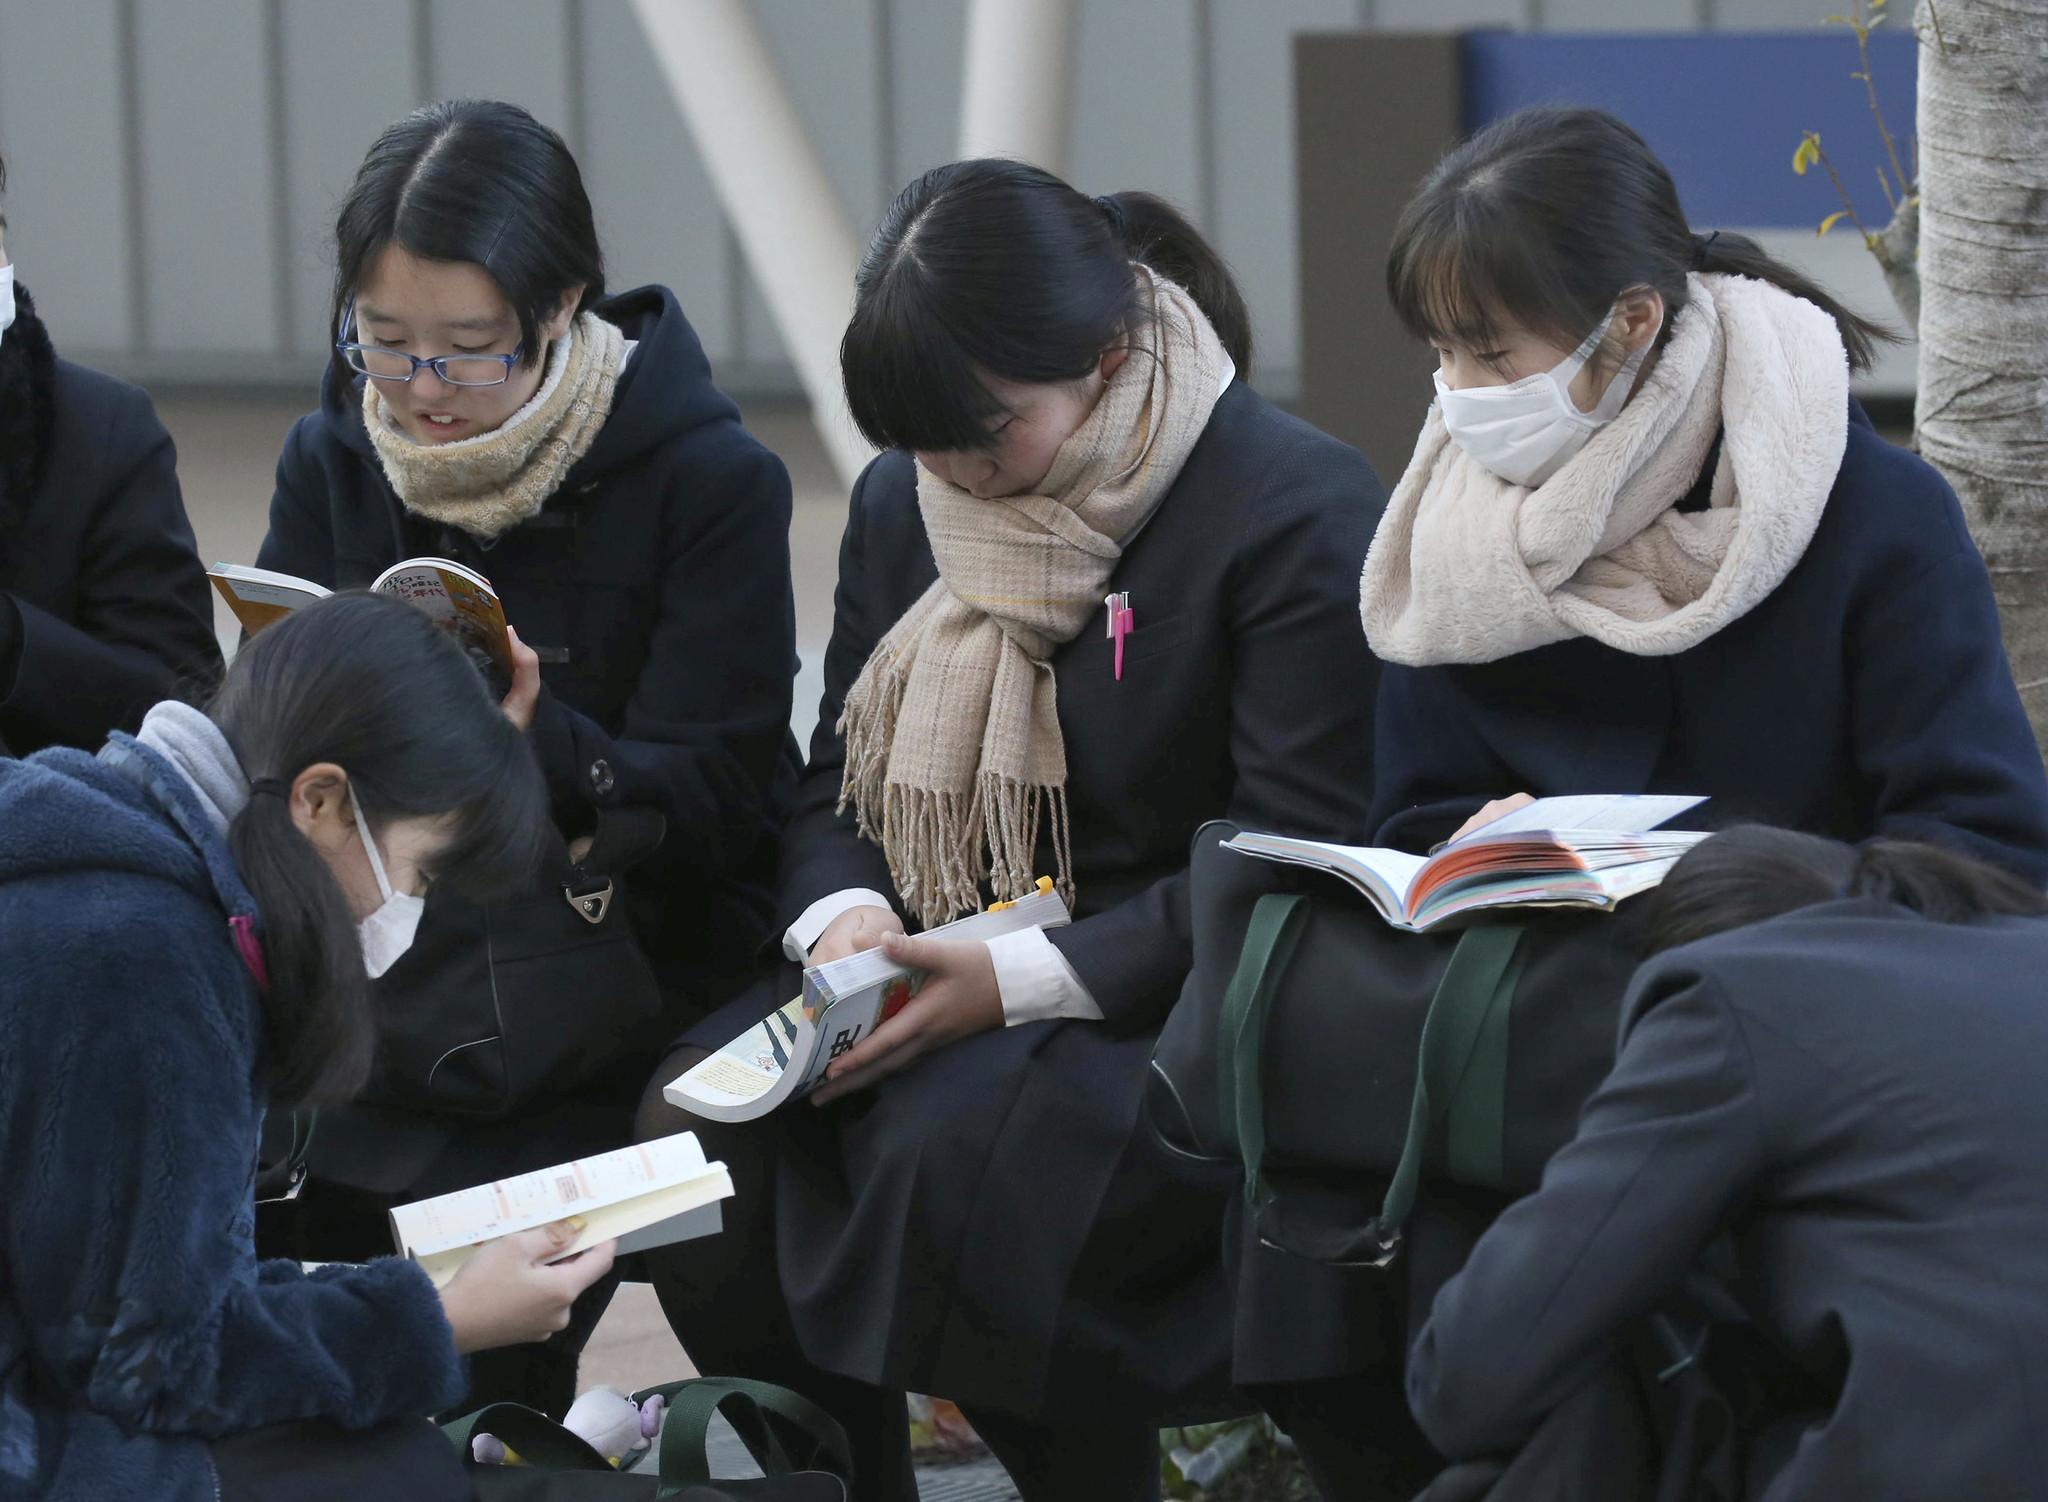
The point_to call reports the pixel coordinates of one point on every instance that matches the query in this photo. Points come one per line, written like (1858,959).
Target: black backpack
(1311,1035)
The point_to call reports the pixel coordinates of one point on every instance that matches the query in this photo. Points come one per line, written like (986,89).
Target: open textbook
(786,1053)
(646,1195)
(1591,850)
(459,599)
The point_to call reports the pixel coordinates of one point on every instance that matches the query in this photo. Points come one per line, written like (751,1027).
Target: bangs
(1456,267)
(909,381)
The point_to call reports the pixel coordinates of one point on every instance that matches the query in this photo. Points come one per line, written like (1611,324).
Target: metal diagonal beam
(773,189)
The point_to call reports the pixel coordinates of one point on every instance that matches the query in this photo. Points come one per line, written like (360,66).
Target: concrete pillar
(1014,97)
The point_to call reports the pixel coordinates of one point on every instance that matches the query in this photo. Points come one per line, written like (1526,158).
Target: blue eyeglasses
(397,365)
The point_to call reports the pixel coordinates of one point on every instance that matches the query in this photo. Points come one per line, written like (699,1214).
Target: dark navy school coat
(104,607)
(1854,1092)
(1868,694)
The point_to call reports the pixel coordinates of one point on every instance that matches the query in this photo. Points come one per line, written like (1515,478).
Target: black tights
(723,1297)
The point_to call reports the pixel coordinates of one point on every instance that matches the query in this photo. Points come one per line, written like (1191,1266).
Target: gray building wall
(174,164)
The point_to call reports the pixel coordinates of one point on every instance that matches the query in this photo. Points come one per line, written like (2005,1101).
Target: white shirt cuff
(798,938)
(1036,982)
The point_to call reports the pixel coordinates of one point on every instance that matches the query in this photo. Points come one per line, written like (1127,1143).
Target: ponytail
(1731,254)
(1544,218)
(317,1012)
(373,686)
(994,267)
(1754,872)
(1156,234)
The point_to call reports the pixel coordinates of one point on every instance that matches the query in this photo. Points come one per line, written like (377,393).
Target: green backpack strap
(1269,940)
(1460,1071)
(538,1439)
(687,1423)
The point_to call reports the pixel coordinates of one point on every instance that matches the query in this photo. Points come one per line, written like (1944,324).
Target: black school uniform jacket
(1855,1093)
(655,586)
(1868,694)
(1247,690)
(104,606)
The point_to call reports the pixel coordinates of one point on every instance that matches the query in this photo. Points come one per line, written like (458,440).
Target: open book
(1591,850)
(647,1195)
(785,1054)
(459,599)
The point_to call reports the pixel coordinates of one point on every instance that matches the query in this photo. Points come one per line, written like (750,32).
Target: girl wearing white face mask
(104,607)
(189,922)
(1647,543)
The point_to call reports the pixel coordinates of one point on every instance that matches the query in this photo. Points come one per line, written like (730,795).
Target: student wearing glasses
(489,404)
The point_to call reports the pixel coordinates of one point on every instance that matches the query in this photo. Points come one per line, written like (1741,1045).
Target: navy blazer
(1247,691)
(1855,1093)
(1868,694)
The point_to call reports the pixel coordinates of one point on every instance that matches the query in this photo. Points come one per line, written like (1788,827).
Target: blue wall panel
(1725,110)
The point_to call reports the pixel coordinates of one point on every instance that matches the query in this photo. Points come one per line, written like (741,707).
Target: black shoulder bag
(498,1005)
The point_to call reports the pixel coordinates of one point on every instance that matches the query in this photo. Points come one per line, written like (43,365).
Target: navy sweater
(135,1320)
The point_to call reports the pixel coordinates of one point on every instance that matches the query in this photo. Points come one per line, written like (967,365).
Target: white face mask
(1526,430)
(6,298)
(388,932)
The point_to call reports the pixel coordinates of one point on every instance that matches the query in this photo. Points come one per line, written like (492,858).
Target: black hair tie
(1701,245)
(277,785)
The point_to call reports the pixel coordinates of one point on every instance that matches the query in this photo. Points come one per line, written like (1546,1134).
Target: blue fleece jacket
(135,1320)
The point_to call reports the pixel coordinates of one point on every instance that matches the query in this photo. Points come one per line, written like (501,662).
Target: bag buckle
(592,901)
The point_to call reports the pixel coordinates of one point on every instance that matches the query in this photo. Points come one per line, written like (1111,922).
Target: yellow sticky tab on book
(1044,885)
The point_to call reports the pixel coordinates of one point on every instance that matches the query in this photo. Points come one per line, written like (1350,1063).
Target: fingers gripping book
(785,1055)
(647,1195)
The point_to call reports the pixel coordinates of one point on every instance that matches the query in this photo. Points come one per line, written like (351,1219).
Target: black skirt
(995,1225)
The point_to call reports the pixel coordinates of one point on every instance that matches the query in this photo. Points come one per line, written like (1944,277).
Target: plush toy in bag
(608,1421)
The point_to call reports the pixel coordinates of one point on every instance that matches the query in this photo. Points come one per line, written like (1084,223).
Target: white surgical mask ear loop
(370,845)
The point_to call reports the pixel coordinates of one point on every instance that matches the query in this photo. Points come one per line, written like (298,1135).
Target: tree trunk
(1983,405)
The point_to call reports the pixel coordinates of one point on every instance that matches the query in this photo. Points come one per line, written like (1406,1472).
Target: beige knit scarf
(488,484)
(1467,567)
(953,748)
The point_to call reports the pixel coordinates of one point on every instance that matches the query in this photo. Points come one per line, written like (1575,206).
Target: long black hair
(374,686)
(1753,872)
(997,267)
(1545,218)
(480,181)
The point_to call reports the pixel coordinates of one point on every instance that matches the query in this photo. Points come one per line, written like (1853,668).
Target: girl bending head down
(995,302)
(378,765)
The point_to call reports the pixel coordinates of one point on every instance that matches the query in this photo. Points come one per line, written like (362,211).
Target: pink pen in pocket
(1121,624)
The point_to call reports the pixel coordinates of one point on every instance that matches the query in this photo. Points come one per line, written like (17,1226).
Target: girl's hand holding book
(959,998)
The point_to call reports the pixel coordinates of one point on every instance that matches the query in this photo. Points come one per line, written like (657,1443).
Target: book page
(459,598)
(676,1212)
(527,1200)
(1383,876)
(747,1077)
(260,596)
(1622,813)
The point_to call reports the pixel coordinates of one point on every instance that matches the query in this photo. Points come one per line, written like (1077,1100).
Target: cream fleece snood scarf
(488,484)
(953,747)
(1466,567)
